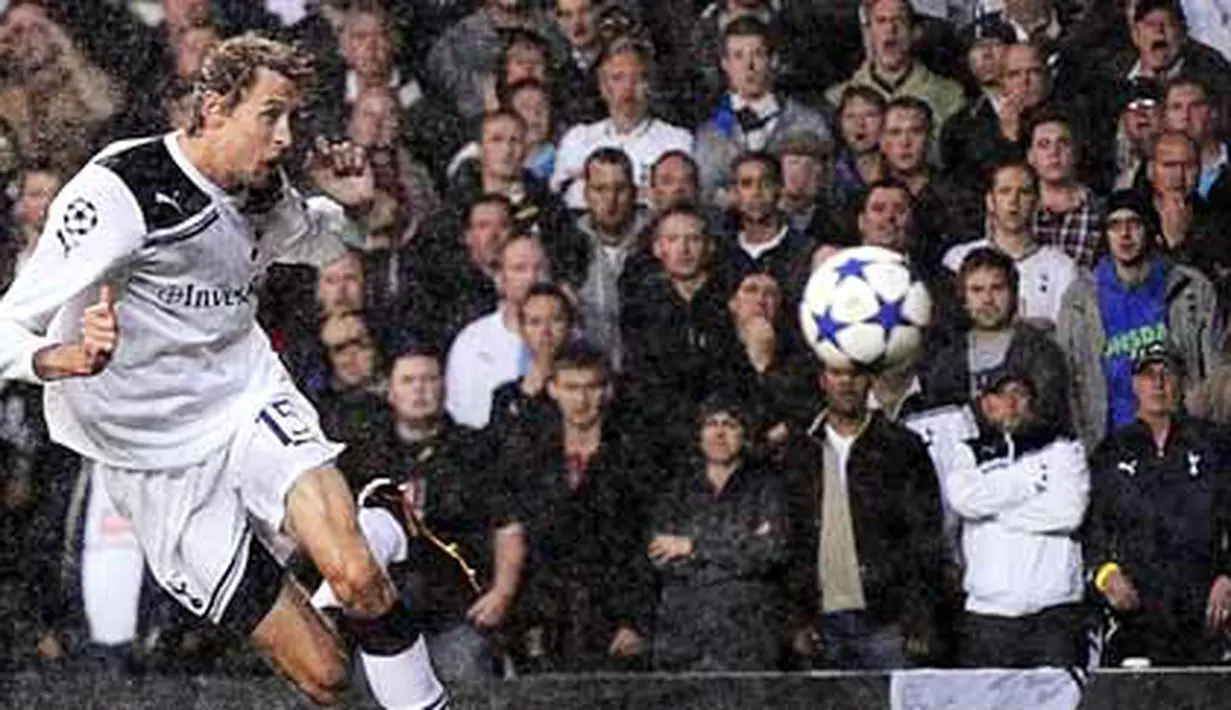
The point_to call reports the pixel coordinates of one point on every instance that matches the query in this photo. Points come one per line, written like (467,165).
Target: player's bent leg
(321,518)
(299,644)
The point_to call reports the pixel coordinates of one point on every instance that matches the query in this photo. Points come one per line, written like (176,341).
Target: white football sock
(405,681)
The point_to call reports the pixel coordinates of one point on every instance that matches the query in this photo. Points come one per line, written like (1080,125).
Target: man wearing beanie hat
(1135,295)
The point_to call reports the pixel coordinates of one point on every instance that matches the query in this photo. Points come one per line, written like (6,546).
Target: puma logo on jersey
(1128,467)
(162,198)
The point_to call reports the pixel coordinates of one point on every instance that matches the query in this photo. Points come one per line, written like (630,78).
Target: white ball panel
(863,342)
(853,301)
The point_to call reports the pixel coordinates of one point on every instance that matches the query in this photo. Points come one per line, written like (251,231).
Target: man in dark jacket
(445,473)
(675,327)
(719,541)
(1159,523)
(866,534)
(987,283)
(583,490)
(453,282)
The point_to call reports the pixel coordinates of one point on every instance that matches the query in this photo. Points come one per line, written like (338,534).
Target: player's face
(1157,388)
(1126,237)
(255,136)
(847,390)
(861,123)
(1174,168)
(503,148)
(610,196)
(758,296)
(1051,153)
(722,439)
(524,265)
(904,141)
(340,286)
(544,326)
(351,352)
(579,393)
(674,183)
(1189,112)
(623,84)
(682,246)
(988,298)
(747,65)
(1012,199)
(756,192)
(486,234)
(885,220)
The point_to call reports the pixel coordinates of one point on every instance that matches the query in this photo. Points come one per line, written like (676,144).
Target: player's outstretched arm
(92,228)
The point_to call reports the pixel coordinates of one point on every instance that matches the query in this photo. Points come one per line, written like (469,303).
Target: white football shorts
(197,524)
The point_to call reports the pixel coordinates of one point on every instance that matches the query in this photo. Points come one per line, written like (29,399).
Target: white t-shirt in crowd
(650,139)
(484,356)
(1044,274)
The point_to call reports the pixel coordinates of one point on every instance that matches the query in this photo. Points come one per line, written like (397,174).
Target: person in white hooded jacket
(1020,489)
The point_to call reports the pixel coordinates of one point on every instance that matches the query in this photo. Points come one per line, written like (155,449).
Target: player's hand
(489,611)
(1121,593)
(1218,612)
(626,643)
(343,172)
(99,336)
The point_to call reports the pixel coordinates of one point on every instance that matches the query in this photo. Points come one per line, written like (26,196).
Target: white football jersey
(186,261)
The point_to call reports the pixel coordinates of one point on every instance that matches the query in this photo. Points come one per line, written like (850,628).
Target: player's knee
(359,584)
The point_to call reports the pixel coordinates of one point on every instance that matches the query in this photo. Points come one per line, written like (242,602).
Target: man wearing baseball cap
(1161,487)
(1020,490)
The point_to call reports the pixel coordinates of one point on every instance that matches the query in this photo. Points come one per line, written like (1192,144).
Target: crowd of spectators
(567,324)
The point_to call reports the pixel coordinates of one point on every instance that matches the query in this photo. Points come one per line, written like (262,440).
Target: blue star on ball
(826,326)
(851,268)
(890,314)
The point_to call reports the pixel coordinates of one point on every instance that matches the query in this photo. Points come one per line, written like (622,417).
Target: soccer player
(138,310)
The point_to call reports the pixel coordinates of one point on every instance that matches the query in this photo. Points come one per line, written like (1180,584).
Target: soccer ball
(863,306)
